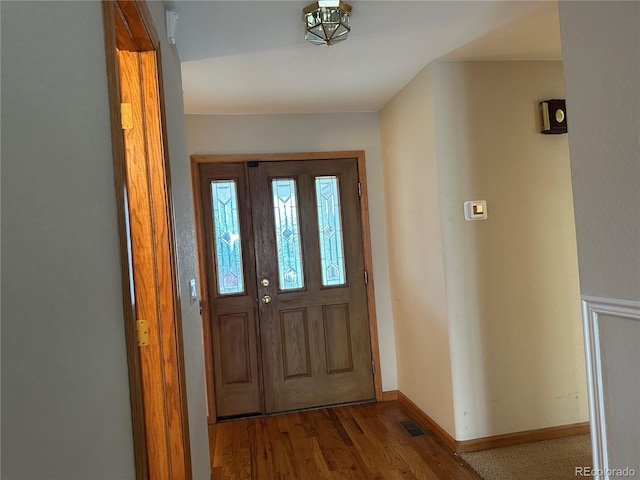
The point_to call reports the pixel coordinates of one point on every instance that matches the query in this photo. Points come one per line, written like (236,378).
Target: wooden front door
(287,295)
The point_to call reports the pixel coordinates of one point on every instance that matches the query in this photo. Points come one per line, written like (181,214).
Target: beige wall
(416,268)
(65,389)
(308,133)
(501,294)
(512,280)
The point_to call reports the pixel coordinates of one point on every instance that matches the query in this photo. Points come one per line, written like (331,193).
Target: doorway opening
(150,303)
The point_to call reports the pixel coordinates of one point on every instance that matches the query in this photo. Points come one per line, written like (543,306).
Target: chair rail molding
(592,308)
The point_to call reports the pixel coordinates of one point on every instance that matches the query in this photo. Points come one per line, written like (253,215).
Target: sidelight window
(226,233)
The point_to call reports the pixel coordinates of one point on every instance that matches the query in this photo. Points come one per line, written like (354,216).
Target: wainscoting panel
(598,337)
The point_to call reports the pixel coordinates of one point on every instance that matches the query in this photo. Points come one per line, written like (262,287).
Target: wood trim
(527,436)
(157,378)
(359,155)
(496,441)
(178,345)
(427,422)
(389,395)
(203,290)
(165,263)
(141,33)
(276,157)
(145,257)
(133,358)
(368,265)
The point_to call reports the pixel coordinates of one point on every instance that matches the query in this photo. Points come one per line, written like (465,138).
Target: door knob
(266,299)
(265,282)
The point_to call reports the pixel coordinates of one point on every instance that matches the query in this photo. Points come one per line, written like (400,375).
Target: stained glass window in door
(226,233)
(330,231)
(287,230)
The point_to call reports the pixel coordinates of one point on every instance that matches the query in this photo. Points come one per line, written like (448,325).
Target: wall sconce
(554,116)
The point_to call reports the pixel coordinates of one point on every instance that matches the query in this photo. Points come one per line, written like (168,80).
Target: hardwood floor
(349,442)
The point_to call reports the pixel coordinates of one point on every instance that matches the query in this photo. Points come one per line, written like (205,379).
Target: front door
(288,307)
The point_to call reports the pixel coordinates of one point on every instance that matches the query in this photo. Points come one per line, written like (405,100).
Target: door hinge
(359,189)
(143,333)
(373,367)
(126,116)
(366,277)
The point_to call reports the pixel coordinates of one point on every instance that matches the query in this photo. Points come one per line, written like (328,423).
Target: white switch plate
(475,210)
(194,290)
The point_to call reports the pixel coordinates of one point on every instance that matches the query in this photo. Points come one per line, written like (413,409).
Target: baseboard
(496,441)
(389,395)
(426,421)
(527,436)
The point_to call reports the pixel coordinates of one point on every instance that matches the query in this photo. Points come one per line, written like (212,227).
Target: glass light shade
(327,22)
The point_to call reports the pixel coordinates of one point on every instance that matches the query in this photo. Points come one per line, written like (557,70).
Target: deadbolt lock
(265,282)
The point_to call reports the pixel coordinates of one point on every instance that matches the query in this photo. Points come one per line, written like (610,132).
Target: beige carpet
(548,460)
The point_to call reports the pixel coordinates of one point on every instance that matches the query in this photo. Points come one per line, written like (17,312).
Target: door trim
(128,25)
(359,155)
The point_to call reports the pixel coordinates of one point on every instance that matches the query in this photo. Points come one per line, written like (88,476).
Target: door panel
(337,338)
(315,339)
(294,328)
(234,348)
(232,296)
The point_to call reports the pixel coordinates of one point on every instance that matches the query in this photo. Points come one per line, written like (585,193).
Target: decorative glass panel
(285,212)
(226,233)
(330,231)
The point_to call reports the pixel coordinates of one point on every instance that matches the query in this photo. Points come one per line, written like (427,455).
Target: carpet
(547,460)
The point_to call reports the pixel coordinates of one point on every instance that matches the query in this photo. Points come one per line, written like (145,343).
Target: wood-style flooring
(361,441)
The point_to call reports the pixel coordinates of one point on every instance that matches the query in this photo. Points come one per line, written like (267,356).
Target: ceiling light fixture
(327,22)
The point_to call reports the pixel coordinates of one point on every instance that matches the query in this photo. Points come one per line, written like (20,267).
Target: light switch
(194,290)
(475,210)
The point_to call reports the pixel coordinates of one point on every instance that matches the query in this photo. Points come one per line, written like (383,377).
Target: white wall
(308,133)
(65,395)
(512,280)
(407,131)
(601,47)
(185,248)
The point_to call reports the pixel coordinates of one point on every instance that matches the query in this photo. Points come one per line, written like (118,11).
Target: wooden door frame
(128,25)
(196,160)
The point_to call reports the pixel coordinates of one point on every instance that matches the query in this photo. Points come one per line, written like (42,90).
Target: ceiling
(242,57)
